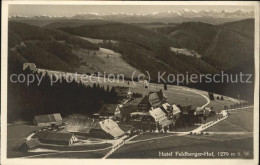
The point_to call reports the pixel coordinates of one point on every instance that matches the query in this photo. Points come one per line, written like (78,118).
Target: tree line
(24,102)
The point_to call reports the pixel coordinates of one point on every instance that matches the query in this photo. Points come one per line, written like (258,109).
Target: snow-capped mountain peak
(189,13)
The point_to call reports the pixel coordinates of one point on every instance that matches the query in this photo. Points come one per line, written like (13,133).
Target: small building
(212,111)
(146,83)
(118,114)
(123,92)
(133,104)
(160,117)
(126,109)
(187,110)
(108,110)
(154,100)
(149,101)
(175,111)
(30,145)
(48,120)
(56,138)
(167,108)
(144,105)
(163,98)
(31,66)
(158,114)
(95,115)
(199,111)
(172,111)
(147,118)
(138,116)
(81,126)
(204,111)
(107,129)
(209,111)
(224,113)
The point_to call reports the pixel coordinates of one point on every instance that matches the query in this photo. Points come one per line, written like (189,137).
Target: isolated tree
(165,129)
(205,118)
(165,86)
(211,95)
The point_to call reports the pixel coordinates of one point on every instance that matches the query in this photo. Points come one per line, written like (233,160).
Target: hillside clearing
(185,52)
(97,41)
(103,61)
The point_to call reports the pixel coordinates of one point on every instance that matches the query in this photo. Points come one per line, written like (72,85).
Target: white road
(59,152)
(199,129)
(190,90)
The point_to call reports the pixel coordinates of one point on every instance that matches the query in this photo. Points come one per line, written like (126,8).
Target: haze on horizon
(70,10)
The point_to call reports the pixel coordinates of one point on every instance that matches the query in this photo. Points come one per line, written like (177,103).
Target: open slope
(103,61)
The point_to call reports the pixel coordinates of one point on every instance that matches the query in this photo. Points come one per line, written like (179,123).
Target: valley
(137,47)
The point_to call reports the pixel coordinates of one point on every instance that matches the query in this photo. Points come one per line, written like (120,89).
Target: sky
(70,10)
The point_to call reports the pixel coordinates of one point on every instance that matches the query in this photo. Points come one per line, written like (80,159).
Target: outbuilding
(30,145)
(56,138)
(108,110)
(107,129)
(150,101)
(48,120)
(31,66)
(123,92)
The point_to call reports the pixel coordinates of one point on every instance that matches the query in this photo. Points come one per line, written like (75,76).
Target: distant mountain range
(185,15)
(181,13)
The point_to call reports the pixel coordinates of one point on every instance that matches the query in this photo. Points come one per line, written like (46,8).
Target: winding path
(190,90)
(199,93)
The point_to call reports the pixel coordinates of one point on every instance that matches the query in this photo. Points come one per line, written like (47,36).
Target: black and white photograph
(129,80)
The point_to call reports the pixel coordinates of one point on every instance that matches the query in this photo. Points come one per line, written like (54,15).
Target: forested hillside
(50,49)
(243,27)
(223,46)
(144,49)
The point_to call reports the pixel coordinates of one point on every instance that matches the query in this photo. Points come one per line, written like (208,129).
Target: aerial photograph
(130,81)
